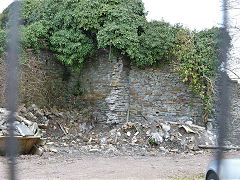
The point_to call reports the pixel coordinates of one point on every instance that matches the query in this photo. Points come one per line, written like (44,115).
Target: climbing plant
(196,58)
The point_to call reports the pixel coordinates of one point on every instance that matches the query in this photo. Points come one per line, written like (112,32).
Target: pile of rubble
(77,131)
(144,137)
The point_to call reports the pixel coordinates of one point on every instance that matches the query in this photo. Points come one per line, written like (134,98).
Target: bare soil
(76,166)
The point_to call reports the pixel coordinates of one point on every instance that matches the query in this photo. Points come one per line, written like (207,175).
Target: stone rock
(34,127)
(209,125)
(22,119)
(128,134)
(189,123)
(134,139)
(148,132)
(118,134)
(49,143)
(103,140)
(53,150)
(30,115)
(38,113)
(83,127)
(166,127)
(136,133)
(94,150)
(187,129)
(157,138)
(113,132)
(166,135)
(162,148)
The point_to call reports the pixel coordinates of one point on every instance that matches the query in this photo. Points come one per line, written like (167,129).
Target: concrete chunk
(24,130)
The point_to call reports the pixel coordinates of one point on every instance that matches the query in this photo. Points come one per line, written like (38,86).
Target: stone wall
(106,87)
(159,94)
(121,92)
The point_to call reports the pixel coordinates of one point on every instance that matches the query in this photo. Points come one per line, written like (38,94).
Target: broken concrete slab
(24,130)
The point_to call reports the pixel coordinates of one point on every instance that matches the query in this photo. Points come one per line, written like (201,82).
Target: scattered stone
(174,150)
(162,148)
(94,150)
(172,138)
(166,127)
(157,138)
(80,133)
(191,147)
(49,143)
(166,135)
(209,125)
(148,132)
(192,139)
(103,140)
(189,123)
(187,129)
(53,150)
(34,128)
(136,133)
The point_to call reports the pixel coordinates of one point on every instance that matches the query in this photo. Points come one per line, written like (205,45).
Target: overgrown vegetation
(196,58)
(74,29)
(2,41)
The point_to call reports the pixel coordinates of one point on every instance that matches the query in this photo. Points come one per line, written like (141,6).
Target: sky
(195,14)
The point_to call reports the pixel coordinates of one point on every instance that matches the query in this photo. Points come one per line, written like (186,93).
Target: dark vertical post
(12,58)
(224,84)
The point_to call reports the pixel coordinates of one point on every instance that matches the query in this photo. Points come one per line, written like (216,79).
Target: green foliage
(2,41)
(122,30)
(196,62)
(71,47)
(30,6)
(35,35)
(155,44)
(54,26)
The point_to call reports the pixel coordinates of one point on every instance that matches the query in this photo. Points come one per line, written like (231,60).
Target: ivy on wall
(74,29)
(196,58)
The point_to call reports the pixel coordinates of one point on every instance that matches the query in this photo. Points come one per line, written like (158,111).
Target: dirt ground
(76,166)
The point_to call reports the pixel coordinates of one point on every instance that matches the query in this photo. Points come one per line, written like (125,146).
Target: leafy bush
(122,29)
(155,44)
(2,41)
(35,35)
(71,47)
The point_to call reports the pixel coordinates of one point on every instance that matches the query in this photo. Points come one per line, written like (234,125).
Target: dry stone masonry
(121,92)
